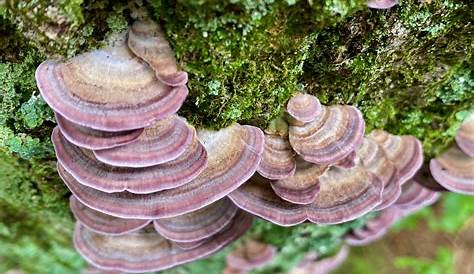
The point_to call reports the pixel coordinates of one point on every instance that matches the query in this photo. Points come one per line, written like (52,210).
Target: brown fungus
(465,136)
(146,251)
(331,137)
(103,223)
(405,152)
(87,170)
(147,41)
(303,108)
(129,97)
(251,254)
(162,142)
(278,159)
(234,154)
(95,139)
(454,170)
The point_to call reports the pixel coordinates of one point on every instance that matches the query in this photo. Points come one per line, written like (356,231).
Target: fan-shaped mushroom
(278,159)
(234,154)
(349,161)
(414,197)
(303,186)
(405,152)
(424,178)
(162,142)
(250,254)
(329,138)
(454,170)
(147,41)
(465,136)
(103,223)
(381,4)
(87,170)
(375,159)
(146,250)
(199,224)
(129,97)
(95,139)
(311,264)
(304,108)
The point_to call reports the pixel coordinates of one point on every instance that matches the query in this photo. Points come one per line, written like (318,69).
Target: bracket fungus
(303,108)
(382,4)
(278,158)
(130,97)
(103,223)
(454,170)
(405,152)
(251,254)
(147,41)
(162,142)
(87,170)
(414,197)
(424,178)
(329,138)
(145,250)
(465,136)
(311,264)
(95,139)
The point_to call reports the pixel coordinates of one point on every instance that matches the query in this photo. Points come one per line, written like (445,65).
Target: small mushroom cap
(146,250)
(87,170)
(199,224)
(414,197)
(278,159)
(250,255)
(465,136)
(165,141)
(374,158)
(381,4)
(103,223)
(95,139)
(331,137)
(405,152)
(147,41)
(234,154)
(130,97)
(303,186)
(312,265)
(303,108)
(454,170)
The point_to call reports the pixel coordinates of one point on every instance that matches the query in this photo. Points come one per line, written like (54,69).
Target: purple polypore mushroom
(381,4)
(414,197)
(129,97)
(303,108)
(405,152)
(311,264)
(345,194)
(145,250)
(249,255)
(147,41)
(278,159)
(95,139)
(162,142)
(103,223)
(465,136)
(233,156)
(375,159)
(303,186)
(197,225)
(454,170)
(424,178)
(335,133)
(87,170)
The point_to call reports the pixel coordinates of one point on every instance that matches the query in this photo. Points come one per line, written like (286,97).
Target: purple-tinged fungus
(251,254)
(303,108)
(303,186)
(349,161)
(424,178)
(87,170)
(415,197)
(374,158)
(199,224)
(162,142)
(103,223)
(381,4)
(311,264)
(278,159)
(95,139)
(129,97)
(331,137)
(405,152)
(234,154)
(454,170)
(147,41)
(465,136)
(147,251)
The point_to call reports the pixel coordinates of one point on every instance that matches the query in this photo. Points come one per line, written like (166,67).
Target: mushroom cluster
(319,167)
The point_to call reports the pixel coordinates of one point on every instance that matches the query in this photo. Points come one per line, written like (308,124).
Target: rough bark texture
(409,70)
